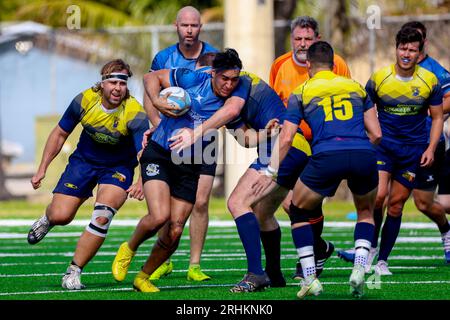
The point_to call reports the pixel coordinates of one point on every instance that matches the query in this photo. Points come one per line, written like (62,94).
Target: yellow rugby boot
(122,262)
(163,270)
(141,283)
(195,274)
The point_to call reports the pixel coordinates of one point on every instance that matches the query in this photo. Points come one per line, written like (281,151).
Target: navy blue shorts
(157,164)
(290,168)
(325,171)
(400,160)
(80,177)
(428,178)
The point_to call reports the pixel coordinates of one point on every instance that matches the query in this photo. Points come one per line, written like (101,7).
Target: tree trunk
(283,10)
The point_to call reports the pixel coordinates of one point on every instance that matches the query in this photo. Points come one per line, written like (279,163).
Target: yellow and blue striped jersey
(403,104)
(333,106)
(108,136)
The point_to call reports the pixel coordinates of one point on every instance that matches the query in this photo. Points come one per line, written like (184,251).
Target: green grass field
(35,272)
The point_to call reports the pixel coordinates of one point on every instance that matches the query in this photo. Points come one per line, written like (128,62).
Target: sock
(320,245)
(304,243)
(445,228)
(378,219)
(248,229)
(271,241)
(363,235)
(389,235)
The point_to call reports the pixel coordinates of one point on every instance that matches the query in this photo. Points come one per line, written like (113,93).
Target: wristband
(271,172)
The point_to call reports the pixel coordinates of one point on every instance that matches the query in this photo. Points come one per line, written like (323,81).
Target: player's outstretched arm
(230,110)
(136,190)
(280,150)
(250,138)
(53,146)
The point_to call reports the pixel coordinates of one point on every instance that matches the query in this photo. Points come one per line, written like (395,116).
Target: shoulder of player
(427,76)
(382,74)
(338,60)
(131,104)
(88,97)
(208,48)
(281,60)
(165,53)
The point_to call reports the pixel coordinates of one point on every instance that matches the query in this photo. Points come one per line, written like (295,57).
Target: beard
(300,55)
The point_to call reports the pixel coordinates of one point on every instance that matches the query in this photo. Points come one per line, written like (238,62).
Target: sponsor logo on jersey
(116,123)
(198,98)
(152,169)
(408,175)
(70,185)
(119,176)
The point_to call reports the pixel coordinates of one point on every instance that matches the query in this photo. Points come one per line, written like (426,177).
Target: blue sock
(364,230)
(378,219)
(303,236)
(304,243)
(248,229)
(389,235)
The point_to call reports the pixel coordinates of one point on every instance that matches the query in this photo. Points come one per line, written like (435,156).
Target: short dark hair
(418,26)
(305,22)
(229,59)
(322,53)
(408,35)
(206,59)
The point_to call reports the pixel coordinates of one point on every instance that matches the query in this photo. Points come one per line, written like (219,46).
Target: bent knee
(201,205)
(60,217)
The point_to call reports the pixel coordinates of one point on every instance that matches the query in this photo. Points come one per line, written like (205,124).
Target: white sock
(306,255)
(362,248)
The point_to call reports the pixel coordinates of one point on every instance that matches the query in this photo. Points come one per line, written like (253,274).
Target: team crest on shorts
(119,176)
(70,185)
(408,175)
(152,169)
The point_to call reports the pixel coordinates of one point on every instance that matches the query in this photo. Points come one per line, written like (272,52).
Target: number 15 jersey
(333,106)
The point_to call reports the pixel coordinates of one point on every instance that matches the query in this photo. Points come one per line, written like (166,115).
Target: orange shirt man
(289,70)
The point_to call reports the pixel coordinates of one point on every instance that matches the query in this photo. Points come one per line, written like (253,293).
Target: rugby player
(106,155)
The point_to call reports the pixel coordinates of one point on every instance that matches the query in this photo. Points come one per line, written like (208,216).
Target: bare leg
(88,244)
(198,225)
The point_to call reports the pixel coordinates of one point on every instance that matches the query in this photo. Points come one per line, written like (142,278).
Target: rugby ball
(178,97)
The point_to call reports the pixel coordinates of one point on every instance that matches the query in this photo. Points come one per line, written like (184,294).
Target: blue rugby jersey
(172,57)
(444,80)
(109,137)
(333,106)
(204,103)
(403,105)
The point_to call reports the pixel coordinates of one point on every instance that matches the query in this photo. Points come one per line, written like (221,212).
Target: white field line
(402,239)
(205,256)
(212,223)
(149,245)
(182,271)
(345,283)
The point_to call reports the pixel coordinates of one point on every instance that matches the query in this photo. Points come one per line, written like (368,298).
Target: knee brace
(101,219)
(297,215)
